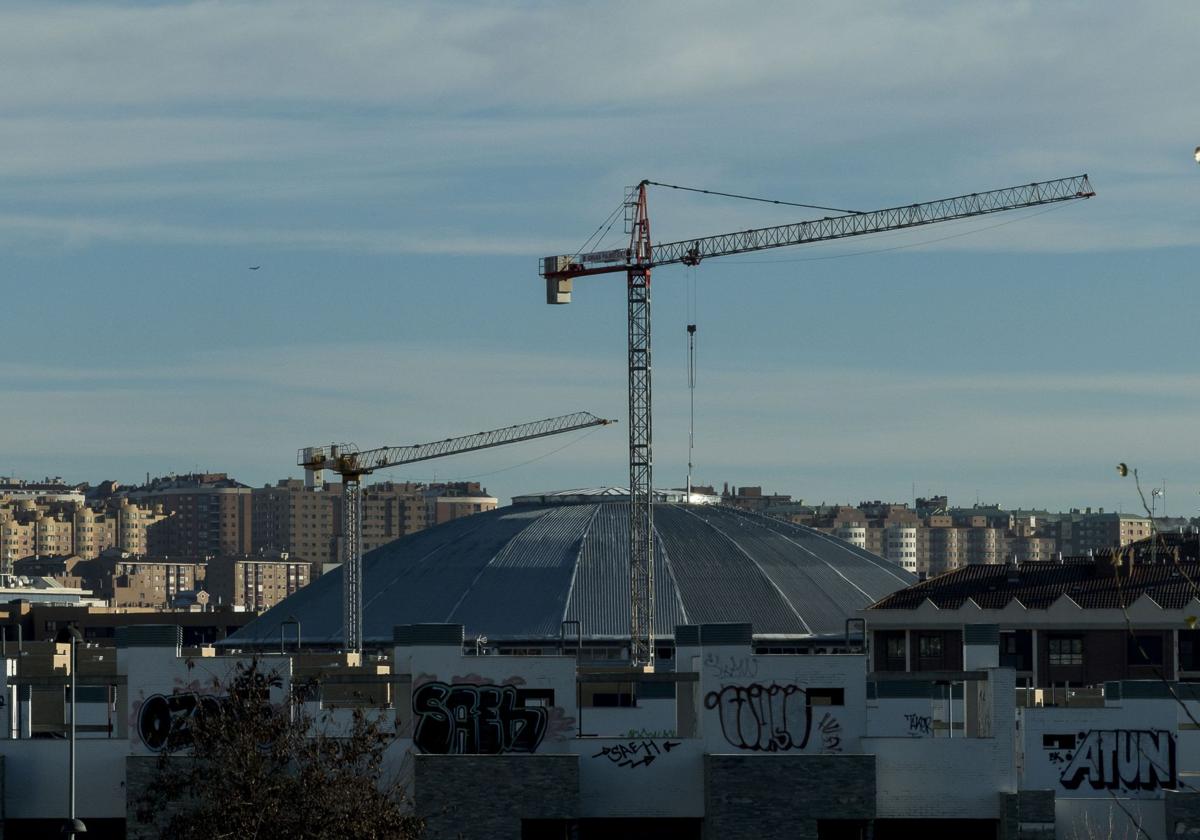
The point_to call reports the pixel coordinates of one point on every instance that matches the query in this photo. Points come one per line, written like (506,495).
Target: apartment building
(53,526)
(394,509)
(305,522)
(140,582)
(1091,532)
(935,538)
(454,500)
(255,583)
(207,514)
(752,498)
(93,531)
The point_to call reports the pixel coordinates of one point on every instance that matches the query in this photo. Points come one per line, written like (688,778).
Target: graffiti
(831,734)
(165,722)
(1115,759)
(475,719)
(919,725)
(636,753)
(763,718)
(730,667)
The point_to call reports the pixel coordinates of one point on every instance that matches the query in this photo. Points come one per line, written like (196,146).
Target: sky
(397,169)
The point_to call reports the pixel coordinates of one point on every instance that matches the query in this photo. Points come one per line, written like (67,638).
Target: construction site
(634,660)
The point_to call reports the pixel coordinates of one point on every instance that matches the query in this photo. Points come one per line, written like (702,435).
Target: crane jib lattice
(692,251)
(368,460)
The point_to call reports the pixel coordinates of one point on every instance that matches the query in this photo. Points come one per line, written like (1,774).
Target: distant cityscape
(932,537)
(205,540)
(197,540)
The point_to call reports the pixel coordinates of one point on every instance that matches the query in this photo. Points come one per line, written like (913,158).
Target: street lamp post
(73,825)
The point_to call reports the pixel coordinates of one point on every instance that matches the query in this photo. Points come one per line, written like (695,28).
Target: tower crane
(637,260)
(352,464)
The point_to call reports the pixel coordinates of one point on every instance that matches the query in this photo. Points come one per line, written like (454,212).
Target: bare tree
(244,768)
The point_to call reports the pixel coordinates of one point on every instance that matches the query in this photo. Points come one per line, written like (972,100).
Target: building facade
(46,527)
(732,745)
(207,514)
(943,538)
(305,522)
(255,584)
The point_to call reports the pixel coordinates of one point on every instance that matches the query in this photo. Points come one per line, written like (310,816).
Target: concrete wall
(1084,753)
(654,717)
(1027,815)
(640,777)
(948,778)
(154,671)
(35,778)
(780,742)
(941,778)
(1182,814)
(467,676)
(1108,818)
(471,797)
(762,704)
(781,797)
(915,717)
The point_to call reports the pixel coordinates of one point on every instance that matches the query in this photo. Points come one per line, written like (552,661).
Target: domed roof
(518,572)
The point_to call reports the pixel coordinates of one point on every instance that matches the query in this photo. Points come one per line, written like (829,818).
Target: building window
(1066,650)
(1146,649)
(827,697)
(531,697)
(895,652)
(1189,650)
(930,647)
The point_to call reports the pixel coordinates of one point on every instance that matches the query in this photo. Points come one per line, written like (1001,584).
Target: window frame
(1065,651)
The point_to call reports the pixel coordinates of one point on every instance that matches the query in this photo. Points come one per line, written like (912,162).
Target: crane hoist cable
(754,198)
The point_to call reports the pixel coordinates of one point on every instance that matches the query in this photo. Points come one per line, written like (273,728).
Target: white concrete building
(731,744)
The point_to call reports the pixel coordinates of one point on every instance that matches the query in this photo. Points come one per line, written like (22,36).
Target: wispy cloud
(80,231)
(426,97)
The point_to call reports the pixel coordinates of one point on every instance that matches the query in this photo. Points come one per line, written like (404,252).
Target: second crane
(352,464)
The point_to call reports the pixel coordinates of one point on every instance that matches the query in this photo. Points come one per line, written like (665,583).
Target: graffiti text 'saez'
(636,753)
(475,719)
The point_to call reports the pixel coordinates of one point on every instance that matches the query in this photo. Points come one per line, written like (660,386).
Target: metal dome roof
(519,572)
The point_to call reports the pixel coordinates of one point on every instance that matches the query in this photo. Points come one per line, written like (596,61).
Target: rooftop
(521,571)
(1165,568)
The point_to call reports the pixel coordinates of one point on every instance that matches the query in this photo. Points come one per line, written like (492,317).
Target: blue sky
(398,169)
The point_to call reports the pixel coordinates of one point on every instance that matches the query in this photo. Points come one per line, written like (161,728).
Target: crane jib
(692,251)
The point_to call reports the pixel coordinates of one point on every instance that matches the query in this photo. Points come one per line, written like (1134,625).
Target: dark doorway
(842,830)
(97,829)
(646,828)
(937,829)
